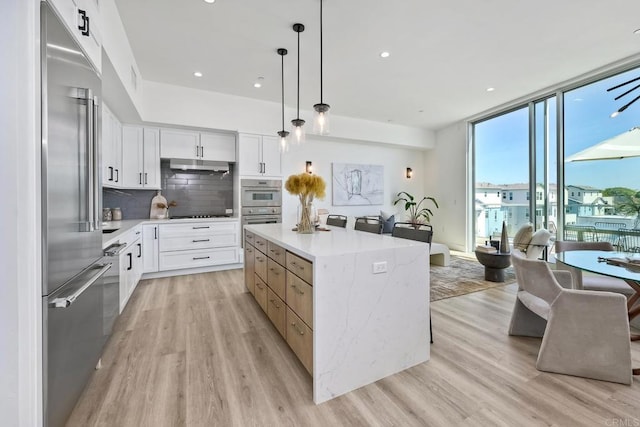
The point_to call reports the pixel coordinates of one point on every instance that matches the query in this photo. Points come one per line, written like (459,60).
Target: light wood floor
(198,351)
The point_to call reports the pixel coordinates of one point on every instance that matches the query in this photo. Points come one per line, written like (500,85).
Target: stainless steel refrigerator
(72,288)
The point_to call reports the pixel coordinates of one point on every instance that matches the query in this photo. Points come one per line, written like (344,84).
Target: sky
(502,143)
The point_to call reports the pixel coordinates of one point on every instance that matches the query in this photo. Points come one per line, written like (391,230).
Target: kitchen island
(353,306)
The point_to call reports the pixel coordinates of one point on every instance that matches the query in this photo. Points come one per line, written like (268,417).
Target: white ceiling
(444,55)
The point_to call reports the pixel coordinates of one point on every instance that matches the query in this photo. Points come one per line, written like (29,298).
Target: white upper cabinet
(218,146)
(179,144)
(111,149)
(82,18)
(184,144)
(140,157)
(151,159)
(259,155)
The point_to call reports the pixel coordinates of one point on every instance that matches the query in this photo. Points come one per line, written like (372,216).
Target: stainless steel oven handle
(64,302)
(115,249)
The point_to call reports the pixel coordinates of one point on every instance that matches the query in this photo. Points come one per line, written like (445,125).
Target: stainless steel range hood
(201,165)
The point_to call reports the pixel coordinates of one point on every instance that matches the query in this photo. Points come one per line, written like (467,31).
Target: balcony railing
(622,239)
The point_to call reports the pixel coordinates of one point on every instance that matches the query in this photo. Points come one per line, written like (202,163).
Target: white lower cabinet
(130,265)
(197,244)
(150,240)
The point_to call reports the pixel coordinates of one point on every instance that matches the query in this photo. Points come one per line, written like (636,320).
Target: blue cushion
(387,226)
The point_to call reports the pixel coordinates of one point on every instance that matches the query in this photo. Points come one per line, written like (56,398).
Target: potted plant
(418,214)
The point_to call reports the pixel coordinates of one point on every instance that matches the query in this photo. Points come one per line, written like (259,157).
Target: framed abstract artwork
(357,185)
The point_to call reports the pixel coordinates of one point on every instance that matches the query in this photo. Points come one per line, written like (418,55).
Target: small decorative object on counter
(159,207)
(106,214)
(306,187)
(116,214)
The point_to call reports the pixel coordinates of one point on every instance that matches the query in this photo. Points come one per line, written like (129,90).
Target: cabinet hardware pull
(155,233)
(84,28)
(298,291)
(130,261)
(200,240)
(117,175)
(140,178)
(110,173)
(275,303)
(200,257)
(139,250)
(201,227)
(145,178)
(298,330)
(258,285)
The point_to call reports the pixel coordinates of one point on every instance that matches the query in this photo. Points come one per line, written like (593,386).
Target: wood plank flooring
(198,351)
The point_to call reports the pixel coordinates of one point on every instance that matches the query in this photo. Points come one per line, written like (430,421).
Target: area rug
(462,276)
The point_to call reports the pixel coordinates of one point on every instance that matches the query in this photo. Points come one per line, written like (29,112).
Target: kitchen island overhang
(366,325)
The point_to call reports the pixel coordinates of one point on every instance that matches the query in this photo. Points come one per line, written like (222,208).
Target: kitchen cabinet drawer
(260,264)
(261,244)
(277,312)
(249,270)
(261,293)
(276,253)
(276,277)
(300,298)
(300,339)
(198,229)
(250,237)
(197,258)
(301,267)
(203,241)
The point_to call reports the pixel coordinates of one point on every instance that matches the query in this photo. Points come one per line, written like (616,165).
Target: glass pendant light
(321,119)
(283,134)
(298,123)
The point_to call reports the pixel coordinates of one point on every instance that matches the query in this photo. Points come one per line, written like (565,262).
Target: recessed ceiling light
(384,54)
(258,82)
(491,89)
(209,1)
(637,31)
(197,74)
(420,111)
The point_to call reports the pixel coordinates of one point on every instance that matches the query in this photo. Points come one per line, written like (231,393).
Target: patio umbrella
(619,147)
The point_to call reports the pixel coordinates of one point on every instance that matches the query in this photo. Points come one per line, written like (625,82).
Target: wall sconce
(309,167)
(409,173)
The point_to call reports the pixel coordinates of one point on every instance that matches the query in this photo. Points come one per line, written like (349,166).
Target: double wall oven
(261,201)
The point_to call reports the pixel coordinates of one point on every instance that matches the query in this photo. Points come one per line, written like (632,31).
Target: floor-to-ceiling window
(601,196)
(516,165)
(501,167)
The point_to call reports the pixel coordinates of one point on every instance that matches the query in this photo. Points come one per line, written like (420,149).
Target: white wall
(20,383)
(176,105)
(116,44)
(446,175)
(325,151)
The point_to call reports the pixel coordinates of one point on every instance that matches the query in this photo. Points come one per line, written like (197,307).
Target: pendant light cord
(321,52)
(282,68)
(298,108)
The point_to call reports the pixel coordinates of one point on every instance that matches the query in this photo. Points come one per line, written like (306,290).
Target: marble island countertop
(335,241)
(122,227)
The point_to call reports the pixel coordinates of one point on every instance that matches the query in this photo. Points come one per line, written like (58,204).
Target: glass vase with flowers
(307,187)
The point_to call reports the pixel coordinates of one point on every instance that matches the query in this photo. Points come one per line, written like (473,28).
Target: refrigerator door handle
(90,149)
(96,166)
(64,302)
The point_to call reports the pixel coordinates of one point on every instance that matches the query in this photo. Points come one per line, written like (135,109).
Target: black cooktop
(201,216)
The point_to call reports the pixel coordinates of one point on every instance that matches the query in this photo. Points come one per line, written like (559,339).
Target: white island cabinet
(353,306)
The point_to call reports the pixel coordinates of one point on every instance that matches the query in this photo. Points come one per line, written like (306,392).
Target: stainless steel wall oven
(261,201)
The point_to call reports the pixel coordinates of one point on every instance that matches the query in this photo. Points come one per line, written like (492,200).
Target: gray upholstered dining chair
(337,220)
(369,225)
(407,230)
(424,233)
(584,333)
(591,282)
